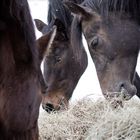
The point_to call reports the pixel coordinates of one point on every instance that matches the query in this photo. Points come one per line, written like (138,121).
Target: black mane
(103,7)
(77,1)
(59,11)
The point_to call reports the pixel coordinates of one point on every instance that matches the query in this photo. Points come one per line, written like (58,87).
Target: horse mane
(77,1)
(59,11)
(103,7)
(16,14)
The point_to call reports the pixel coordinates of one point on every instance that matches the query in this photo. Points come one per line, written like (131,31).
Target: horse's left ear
(40,24)
(77,9)
(44,42)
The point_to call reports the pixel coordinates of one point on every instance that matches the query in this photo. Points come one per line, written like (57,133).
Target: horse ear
(40,24)
(77,9)
(44,43)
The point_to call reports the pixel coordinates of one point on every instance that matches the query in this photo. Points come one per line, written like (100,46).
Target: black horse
(111,28)
(61,68)
(20,74)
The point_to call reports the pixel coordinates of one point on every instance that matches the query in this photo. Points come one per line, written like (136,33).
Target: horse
(111,29)
(20,78)
(62,70)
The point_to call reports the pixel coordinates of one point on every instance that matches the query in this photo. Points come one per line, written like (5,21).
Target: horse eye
(95,42)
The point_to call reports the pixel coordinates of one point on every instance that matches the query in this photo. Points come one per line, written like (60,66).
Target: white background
(88,84)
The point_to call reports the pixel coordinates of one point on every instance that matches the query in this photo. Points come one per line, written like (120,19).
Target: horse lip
(122,95)
(63,103)
(125,95)
(117,98)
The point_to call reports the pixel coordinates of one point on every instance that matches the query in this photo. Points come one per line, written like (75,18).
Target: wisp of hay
(90,120)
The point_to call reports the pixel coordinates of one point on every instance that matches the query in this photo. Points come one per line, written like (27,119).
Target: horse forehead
(113,28)
(123,37)
(126,31)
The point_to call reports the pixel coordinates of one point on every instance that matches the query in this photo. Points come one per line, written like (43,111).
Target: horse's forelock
(104,6)
(58,10)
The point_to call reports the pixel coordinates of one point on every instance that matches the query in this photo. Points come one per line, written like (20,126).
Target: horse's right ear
(40,24)
(44,43)
(77,9)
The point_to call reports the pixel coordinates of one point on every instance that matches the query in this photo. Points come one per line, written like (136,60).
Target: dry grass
(88,120)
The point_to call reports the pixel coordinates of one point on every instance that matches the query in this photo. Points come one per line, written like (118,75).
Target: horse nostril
(121,85)
(127,90)
(48,107)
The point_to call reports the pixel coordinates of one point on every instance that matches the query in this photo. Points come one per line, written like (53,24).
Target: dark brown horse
(20,73)
(111,28)
(61,69)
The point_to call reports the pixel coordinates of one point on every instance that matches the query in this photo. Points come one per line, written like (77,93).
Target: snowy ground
(88,84)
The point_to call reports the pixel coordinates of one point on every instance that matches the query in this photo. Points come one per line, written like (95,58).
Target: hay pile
(88,120)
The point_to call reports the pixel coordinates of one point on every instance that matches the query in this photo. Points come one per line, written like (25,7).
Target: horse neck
(15,54)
